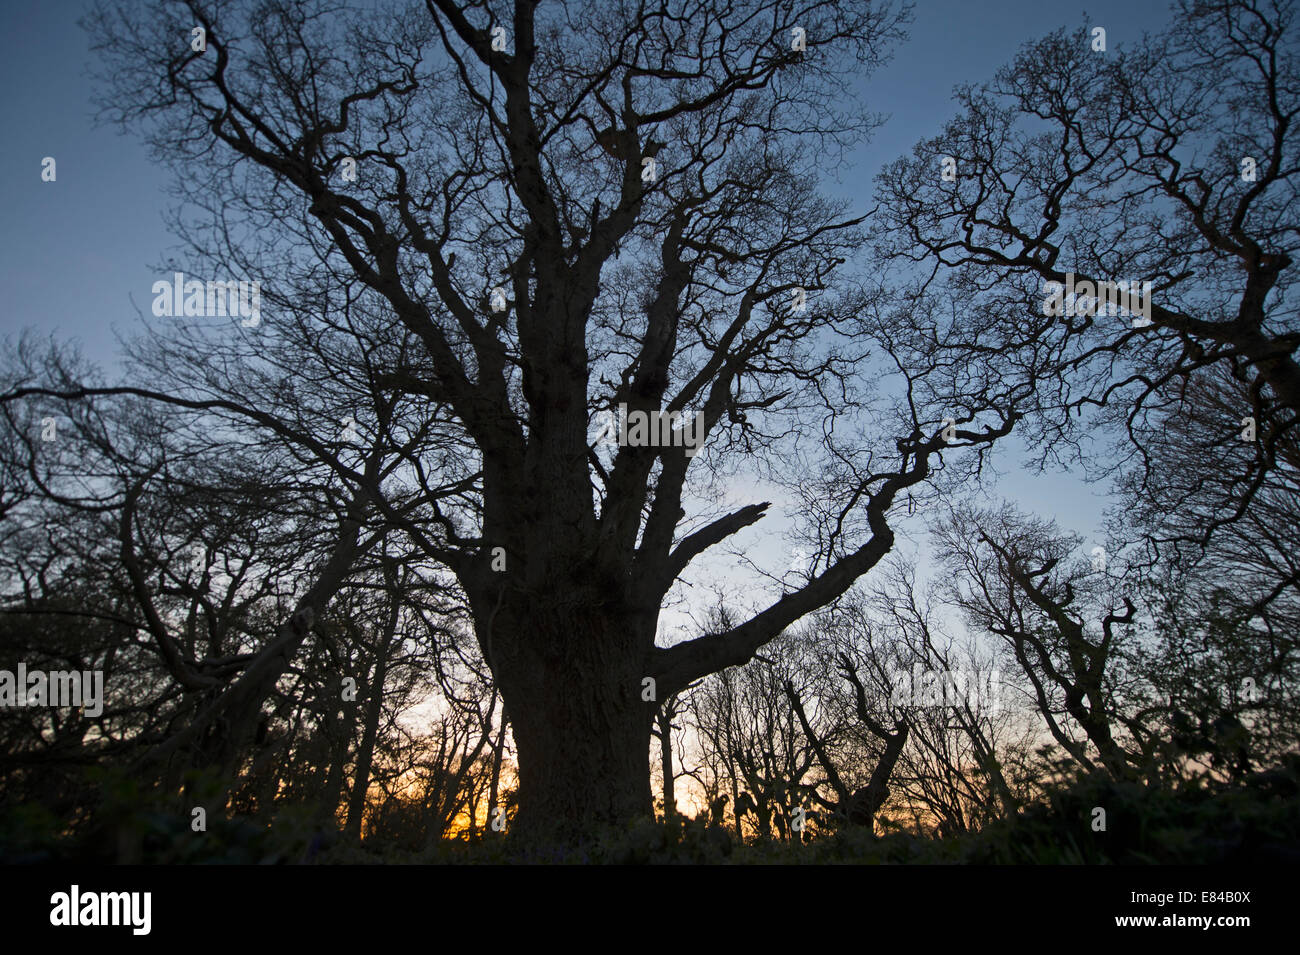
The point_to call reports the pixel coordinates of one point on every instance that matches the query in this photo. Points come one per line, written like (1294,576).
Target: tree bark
(666,760)
(498,754)
(581,729)
(366,752)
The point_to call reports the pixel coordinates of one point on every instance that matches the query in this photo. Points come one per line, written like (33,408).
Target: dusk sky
(78,256)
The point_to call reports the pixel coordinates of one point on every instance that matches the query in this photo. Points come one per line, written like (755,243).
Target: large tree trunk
(582,731)
(583,765)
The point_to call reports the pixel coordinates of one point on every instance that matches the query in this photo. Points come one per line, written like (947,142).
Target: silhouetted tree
(642,192)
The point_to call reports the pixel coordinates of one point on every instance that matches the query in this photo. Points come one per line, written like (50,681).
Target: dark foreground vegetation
(1255,821)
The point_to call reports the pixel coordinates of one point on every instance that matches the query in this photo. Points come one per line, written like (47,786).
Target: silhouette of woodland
(365,581)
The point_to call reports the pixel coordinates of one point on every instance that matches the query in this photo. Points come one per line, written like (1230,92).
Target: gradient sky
(74,253)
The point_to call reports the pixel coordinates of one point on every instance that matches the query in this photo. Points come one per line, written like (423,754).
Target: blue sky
(75,252)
